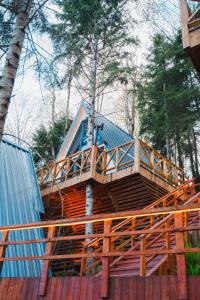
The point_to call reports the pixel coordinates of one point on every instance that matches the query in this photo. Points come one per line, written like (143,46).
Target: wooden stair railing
(178,196)
(161,232)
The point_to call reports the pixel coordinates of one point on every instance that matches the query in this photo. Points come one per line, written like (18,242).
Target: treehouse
(126,173)
(190,19)
(145,213)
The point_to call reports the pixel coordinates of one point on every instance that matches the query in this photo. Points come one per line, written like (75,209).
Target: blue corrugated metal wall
(20,202)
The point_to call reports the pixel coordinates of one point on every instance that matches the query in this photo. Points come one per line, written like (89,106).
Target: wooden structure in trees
(129,176)
(190,20)
(138,242)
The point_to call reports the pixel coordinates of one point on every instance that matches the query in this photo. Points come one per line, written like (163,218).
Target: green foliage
(169,99)
(192,262)
(46,142)
(80,24)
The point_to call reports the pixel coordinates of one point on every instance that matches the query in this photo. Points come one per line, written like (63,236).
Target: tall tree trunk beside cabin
(89,186)
(196,154)
(9,72)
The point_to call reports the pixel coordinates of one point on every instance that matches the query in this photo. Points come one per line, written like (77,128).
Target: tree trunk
(89,186)
(166,123)
(196,154)
(179,150)
(68,100)
(191,156)
(9,72)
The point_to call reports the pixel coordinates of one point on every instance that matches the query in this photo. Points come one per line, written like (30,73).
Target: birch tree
(95,33)
(16,16)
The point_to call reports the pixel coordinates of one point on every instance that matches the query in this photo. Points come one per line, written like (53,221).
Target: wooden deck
(106,166)
(88,288)
(191,32)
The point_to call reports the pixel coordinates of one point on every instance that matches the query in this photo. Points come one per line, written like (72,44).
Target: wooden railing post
(105,261)
(3,248)
(142,257)
(180,259)
(46,263)
(137,155)
(93,161)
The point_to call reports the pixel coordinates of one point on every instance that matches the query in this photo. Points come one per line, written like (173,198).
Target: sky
(30,105)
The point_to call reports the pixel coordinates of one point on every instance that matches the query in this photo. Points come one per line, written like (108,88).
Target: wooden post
(133,228)
(3,248)
(105,261)
(180,259)
(137,155)
(142,258)
(93,161)
(167,240)
(46,263)
(184,22)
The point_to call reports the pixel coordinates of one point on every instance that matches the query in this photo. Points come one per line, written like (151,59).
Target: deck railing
(97,160)
(171,225)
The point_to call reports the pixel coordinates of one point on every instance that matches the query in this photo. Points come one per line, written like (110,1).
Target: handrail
(177,234)
(103,162)
(137,224)
(152,205)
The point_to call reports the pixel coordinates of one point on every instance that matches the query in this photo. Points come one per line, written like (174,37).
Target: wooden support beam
(180,259)
(3,248)
(105,261)
(46,263)
(137,155)
(184,22)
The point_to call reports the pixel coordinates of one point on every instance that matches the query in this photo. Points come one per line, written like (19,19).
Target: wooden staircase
(140,265)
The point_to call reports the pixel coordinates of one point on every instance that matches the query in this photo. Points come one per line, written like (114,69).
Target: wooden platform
(107,166)
(191,32)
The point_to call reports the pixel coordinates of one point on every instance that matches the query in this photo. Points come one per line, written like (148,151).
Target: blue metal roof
(111,134)
(20,202)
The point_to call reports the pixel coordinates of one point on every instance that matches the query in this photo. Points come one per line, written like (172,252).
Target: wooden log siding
(110,249)
(97,162)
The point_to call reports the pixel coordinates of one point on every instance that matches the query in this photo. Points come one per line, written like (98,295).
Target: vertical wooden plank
(164,286)
(117,288)
(173,287)
(156,288)
(3,248)
(142,258)
(35,288)
(84,286)
(125,288)
(105,261)
(46,263)
(77,288)
(148,288)
(137,155)
(180,259)
(140,288)
(93,161)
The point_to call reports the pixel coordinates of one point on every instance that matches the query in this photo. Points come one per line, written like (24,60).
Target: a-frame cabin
(127,174)
(144,214)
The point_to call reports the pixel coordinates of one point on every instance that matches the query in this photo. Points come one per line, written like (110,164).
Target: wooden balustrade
(169,227)
(103,162)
